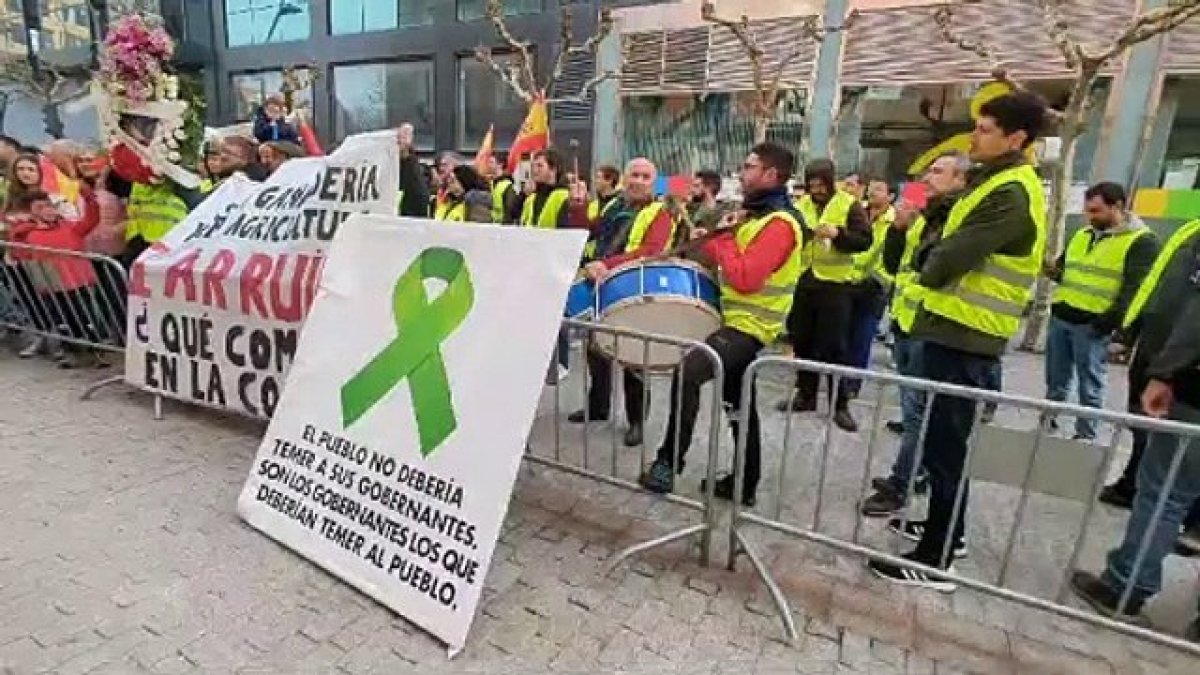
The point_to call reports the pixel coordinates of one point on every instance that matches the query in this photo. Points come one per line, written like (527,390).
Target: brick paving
(121,553)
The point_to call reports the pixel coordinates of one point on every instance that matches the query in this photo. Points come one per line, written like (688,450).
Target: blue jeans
(868,305)
(1074,350)
(1151,480)
(907,354)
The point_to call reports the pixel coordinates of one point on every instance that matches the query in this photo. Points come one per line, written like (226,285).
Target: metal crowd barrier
(1000,454)
(68,303)
(607,461)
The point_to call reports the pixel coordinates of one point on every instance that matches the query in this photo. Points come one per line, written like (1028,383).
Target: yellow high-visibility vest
(907,296)
(456,213)
(152,212)
(499,189)
(828,263)
(1181,237)
(992,298)
(442,211)
(869,263)
(548,218)
(761,315)
(1091,279)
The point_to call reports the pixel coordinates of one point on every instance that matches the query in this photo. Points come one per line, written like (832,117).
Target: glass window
(484,100)
(12,30)
(66,24)
(471,10)
(364,16)
(249,90)
(375,96)
(257,22)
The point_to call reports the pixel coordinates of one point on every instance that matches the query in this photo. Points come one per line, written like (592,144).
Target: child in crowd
(64,284)
(270,122)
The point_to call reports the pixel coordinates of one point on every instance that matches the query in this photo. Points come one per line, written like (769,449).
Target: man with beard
(757,254)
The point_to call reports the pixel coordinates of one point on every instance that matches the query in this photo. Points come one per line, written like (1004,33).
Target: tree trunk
(1071,128)
(760,128)
(54,123)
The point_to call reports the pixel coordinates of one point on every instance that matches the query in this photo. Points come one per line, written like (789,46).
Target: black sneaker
(920,486)
(885,502)
(633,436)
(906,576)
(1104,598)
(723,489)
(845,421)
(1117,495)
(915,529)
(1188,543)
(659,478)
(895,427)
(581,417)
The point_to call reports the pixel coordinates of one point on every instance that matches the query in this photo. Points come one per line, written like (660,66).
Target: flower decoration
(134,60)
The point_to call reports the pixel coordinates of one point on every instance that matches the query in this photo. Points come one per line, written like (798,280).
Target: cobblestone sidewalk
(121,553)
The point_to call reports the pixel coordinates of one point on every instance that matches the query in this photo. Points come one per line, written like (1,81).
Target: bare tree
(521,76)
(49,86)
(767,77)
(1085,60)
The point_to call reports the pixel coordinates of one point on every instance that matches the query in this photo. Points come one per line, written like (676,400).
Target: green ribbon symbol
(421,328)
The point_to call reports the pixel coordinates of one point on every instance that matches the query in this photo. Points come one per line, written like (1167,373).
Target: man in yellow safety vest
(546,205)
(979,279)
(1097,275)
(819,325)
(631,227)
(759,262)
(608,188)
(912,233)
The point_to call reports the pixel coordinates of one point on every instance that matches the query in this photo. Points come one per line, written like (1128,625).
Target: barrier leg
(654,543)
(781,603)
(106,382)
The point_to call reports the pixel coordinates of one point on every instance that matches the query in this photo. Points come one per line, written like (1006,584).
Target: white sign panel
(215,308)
(391,458)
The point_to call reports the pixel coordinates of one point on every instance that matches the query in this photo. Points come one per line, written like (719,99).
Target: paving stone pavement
(121,553)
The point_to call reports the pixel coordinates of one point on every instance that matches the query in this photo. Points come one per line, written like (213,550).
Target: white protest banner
(216,307)
(391,458)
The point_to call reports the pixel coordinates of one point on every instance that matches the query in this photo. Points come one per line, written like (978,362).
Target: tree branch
(943,18)
(741,30)
(585,90)
(568,49)
(520,48)
(505,75)
(1149,24)
(1059,31)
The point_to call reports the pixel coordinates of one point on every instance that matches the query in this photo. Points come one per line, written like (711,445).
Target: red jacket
(747,272)
(69,272)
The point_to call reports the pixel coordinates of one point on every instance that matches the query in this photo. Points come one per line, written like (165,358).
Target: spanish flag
(485,150)
(534,134)
(308,137)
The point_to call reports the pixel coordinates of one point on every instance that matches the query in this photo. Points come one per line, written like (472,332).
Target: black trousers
(819,328)
(1128,481)
(737,351)
(600,368)
(951,419)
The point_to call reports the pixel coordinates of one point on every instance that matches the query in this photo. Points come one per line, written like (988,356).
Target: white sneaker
(1190,539)
(35,346)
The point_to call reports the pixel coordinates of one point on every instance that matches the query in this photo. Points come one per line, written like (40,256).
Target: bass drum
(676,298)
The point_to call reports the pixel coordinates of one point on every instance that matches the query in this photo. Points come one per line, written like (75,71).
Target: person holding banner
(631,227)
(757,251)
(546,206)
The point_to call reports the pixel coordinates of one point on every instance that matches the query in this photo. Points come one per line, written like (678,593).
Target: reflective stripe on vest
(548,218)
(992,298)
(828,263)
(641,225)
(1181,237)
(442,210)
(907,296)
(499,189)
(456,213)
(152,212)
(869,263)
(762,314)
(1091,279)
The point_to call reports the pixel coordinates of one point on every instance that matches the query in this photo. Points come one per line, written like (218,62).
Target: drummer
(632,227)
(758,258)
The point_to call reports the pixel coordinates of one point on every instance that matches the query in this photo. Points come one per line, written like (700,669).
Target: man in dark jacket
(1170,322)
(414,190)
(820,322)
(979,278)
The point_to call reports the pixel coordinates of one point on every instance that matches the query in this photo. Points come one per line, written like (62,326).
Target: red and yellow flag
(534,134)
(486,148)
